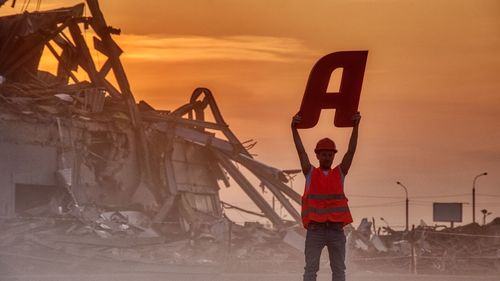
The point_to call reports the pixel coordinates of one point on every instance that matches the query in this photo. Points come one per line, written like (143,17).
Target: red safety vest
(325,200)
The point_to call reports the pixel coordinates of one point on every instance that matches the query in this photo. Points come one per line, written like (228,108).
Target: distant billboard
(447,212)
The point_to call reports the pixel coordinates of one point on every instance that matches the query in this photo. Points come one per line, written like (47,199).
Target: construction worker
(324,206)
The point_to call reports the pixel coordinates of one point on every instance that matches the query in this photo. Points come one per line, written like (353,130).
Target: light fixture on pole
(485,214)
(474,195)
(407,201)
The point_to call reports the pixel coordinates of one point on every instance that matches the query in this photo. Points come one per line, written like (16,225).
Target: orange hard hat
(325,144)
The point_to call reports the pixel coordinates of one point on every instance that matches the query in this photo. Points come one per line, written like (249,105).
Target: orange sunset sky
(430,100)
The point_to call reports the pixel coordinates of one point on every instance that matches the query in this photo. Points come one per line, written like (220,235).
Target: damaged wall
(95,160)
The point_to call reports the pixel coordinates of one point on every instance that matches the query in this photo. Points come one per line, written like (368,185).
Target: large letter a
(346,101)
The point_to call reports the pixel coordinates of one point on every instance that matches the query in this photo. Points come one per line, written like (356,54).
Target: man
(324,206)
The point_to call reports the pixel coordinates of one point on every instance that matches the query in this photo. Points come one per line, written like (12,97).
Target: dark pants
(318,236)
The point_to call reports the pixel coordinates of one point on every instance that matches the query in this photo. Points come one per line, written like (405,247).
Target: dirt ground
(29,266)
(185,276)
(28,262)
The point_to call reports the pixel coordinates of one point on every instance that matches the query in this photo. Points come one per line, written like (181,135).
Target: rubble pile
(468,249)
(252,247)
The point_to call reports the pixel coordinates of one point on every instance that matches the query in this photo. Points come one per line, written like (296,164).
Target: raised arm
(304,159)
(353,142)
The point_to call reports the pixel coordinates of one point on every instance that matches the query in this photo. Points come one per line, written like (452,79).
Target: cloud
(191,48)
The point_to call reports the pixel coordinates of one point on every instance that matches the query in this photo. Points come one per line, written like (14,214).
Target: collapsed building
(83,147)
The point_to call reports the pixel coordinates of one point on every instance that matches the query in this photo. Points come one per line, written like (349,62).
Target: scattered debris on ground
(468,249)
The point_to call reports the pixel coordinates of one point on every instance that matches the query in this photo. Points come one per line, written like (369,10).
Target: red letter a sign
(346,101)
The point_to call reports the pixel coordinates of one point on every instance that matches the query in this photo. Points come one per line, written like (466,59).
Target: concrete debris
(64,97)
(251,244)
(378,244)
(468,249)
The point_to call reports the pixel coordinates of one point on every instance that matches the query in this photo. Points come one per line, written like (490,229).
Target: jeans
(318,236)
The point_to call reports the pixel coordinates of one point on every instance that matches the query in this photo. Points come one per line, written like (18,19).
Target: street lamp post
(407,201)
(474,195)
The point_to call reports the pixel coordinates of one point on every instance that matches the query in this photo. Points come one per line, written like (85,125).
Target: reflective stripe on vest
(325,210)
(326,196)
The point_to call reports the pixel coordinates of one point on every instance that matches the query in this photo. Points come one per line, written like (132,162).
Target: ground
(51,265)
